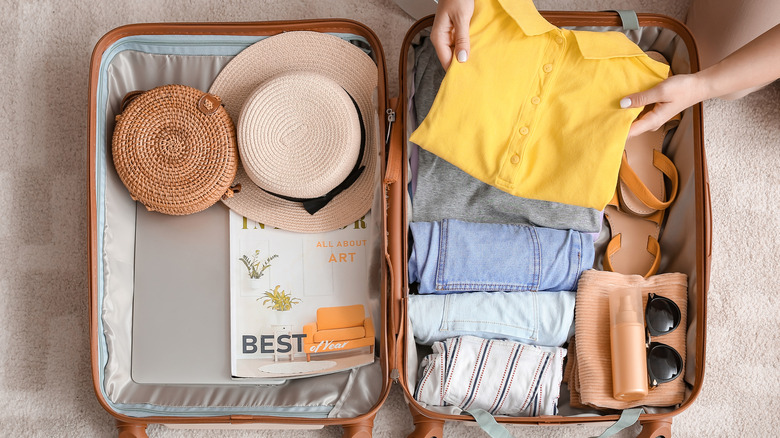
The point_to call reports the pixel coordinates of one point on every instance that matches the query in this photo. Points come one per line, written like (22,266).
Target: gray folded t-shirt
(443,191)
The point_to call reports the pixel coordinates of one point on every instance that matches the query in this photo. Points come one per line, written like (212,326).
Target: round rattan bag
(174,148)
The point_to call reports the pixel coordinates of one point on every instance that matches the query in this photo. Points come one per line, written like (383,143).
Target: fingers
(450,32)
(447,34)
(652,120)
(637,100)
(441,37)
(462,40)
(668,98)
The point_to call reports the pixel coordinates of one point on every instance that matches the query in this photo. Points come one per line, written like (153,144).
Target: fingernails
(625,102)
(462,56)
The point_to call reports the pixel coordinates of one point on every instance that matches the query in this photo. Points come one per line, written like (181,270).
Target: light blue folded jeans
(455,256)
(535,318)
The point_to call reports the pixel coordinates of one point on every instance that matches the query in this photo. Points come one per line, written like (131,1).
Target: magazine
(298,301)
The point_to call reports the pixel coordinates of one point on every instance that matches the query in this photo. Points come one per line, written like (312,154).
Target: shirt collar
(527,17)
(602,45)
(592,45)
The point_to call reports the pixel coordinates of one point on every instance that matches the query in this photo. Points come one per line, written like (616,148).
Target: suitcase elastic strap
(489,424)
(629,19)
(627,418)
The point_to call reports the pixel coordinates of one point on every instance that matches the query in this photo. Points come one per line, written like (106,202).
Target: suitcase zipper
(149,410)
(390,121)
(206,40)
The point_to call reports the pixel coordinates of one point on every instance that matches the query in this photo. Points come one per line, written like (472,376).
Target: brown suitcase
(692,252)
(136,405)
(175,404)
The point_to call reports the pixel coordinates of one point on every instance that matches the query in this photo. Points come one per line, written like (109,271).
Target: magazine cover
(298,301)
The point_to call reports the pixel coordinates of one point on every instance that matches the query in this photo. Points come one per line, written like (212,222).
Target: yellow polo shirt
(535,111)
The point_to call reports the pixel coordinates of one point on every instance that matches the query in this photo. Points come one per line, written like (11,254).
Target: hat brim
(315,52)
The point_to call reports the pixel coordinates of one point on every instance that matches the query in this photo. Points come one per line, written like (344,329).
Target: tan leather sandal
(637,210)
(633,248)
(641,187)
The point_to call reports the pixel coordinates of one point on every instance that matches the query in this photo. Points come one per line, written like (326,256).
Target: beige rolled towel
(590,376)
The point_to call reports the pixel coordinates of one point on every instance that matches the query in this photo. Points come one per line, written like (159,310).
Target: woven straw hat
(174,148)
(306,130)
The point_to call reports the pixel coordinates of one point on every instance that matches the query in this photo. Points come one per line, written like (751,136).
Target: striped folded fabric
(501,377)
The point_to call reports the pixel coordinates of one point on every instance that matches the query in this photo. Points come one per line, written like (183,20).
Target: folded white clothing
(501,377)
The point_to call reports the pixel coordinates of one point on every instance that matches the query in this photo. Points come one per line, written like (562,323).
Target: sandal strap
(612,247)
(652,247)
(655,249)
(615,202)
(656,216)
(640,190)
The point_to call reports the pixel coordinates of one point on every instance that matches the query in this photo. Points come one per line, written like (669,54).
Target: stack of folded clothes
(500,282)
(494,273)
(497,303)
(496,257)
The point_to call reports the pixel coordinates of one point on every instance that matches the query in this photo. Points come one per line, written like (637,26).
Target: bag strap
(627,418)
(129,97)
(489,424)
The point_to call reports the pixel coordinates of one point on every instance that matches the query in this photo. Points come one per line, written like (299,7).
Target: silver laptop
(181,301)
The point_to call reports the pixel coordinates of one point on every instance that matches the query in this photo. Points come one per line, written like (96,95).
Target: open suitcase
(144,56)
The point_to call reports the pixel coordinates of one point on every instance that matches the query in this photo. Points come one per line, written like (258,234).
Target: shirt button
(559,40)
(547,68)
(523,130)
(515,159)
(535,100)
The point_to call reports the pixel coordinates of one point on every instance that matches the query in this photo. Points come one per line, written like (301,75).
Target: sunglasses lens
(662,315)
(664,363)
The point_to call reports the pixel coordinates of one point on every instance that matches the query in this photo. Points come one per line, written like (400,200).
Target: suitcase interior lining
(677,241)
(144,62)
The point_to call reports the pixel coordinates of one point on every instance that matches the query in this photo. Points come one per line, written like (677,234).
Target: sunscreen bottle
(627,336)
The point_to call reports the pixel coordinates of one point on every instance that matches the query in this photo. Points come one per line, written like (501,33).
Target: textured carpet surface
(45,384)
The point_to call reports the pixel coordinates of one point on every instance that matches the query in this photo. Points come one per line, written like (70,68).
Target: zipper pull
(390,121)
(394,374)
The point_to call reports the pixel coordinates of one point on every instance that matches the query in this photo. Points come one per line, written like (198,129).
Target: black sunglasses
(662,316)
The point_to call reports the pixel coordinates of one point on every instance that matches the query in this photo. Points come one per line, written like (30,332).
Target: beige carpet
(45,384)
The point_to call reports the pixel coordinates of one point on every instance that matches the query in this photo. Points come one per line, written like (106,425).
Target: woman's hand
(752,66)
(670,97)
(451,30)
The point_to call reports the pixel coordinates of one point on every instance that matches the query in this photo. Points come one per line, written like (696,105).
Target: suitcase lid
(188,30)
